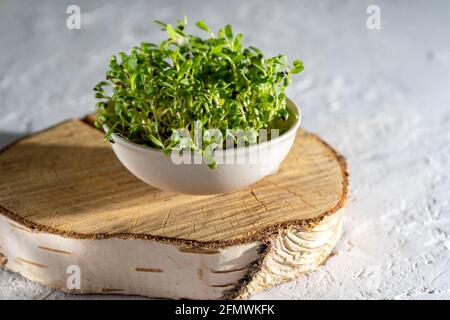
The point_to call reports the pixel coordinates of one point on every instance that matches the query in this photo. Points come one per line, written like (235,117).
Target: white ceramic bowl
(244,165)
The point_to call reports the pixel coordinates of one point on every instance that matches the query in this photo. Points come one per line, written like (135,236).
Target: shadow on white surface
(6,138)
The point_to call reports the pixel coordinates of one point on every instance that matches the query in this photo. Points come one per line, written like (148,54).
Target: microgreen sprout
(187,82)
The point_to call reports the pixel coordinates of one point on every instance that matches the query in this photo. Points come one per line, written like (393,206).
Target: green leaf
(282,59)
(147,47)
(237,42)
(221,34)
(229,32)
(171,32)
(184,68)
(132,63)
(186,82)
(216,49)
(123,57)
(202,25)
(161,23)
(298,67)
(256,50)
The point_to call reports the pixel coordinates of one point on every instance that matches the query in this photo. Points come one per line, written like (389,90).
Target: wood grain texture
(67,181)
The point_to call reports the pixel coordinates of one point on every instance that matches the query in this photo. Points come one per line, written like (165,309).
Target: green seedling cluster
(187,82)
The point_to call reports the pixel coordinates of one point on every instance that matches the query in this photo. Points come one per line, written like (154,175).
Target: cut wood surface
(68,181)
(66,200)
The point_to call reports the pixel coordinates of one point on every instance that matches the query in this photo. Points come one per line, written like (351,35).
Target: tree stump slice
(66,200)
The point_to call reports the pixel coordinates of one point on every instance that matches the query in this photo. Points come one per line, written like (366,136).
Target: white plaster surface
(382,98)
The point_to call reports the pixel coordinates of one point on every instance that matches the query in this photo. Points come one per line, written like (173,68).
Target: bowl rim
(291,131)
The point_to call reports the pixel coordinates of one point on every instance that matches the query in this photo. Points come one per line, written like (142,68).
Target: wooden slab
(65,184)
(68,181)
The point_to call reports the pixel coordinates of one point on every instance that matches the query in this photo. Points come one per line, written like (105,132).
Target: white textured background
(382,98)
